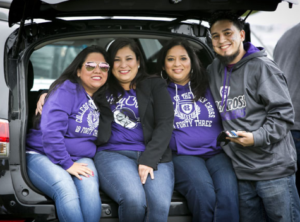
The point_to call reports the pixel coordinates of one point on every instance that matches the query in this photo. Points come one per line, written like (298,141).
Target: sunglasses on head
(90,66)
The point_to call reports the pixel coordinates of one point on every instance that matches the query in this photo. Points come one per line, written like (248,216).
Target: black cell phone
(222,138)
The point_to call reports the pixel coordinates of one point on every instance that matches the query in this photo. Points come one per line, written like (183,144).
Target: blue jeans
(209,186)
(119,178)
(269,200)
(296,137)
(75,200)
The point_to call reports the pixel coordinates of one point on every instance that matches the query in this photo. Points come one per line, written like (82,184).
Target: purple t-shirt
(68,128)
(196,124)
(126,131)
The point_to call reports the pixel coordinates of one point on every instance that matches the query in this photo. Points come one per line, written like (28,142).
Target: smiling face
(125,66)
(227,41)
(92,80)
(178,65)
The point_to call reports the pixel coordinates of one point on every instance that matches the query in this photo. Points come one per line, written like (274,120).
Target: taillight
(4,138)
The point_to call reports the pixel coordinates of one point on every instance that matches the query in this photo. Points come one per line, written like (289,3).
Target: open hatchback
(38,41)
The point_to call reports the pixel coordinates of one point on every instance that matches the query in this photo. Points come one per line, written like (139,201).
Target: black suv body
(33,53)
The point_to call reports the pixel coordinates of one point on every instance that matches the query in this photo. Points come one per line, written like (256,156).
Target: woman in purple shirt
(135,166)
(60,148)
(203,172)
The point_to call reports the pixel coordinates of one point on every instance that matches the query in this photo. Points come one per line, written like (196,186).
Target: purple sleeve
(54,125)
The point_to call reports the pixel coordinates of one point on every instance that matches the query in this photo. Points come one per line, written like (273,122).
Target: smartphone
(232,134)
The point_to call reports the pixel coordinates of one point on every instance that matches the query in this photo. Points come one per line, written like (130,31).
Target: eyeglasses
(90,66)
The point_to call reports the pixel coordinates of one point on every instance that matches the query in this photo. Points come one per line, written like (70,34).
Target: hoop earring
(161,74)
(192,71)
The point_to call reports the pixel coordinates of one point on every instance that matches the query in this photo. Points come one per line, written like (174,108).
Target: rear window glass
(51,60)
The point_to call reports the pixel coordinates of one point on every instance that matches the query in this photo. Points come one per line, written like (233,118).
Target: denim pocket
(296,137)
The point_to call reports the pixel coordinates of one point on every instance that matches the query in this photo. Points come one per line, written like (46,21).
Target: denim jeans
(119,178)
(269,200)
(209,186)
(75,200)
(296,137)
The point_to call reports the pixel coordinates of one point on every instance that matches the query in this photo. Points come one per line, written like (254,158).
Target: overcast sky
(268,27)
(282,15)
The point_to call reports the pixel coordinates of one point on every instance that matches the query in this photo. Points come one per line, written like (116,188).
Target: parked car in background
(38,41)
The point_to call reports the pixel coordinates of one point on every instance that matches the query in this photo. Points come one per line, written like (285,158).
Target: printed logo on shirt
(224,91)
(187,110)
(124,114)
(92,119)
(126,118)
(235,107)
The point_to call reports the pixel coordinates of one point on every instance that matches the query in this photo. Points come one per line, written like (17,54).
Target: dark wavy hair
(198,77)
(114,86)
(70,73)
(227,15)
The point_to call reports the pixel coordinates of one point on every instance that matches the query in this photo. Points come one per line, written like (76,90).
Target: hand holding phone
(222,136)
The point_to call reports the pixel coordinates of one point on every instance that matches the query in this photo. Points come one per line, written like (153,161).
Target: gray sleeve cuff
(258,137)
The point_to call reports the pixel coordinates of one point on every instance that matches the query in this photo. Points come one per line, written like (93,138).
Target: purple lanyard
(224,85)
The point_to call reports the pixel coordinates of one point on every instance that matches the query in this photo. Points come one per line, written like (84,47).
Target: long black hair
(70,73)
(197,76)
(114,86)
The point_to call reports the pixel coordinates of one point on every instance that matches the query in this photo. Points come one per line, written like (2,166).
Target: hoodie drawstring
(195,106)
(224,87)
(176,101)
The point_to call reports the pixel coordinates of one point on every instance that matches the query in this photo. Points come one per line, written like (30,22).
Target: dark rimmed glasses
(90,66)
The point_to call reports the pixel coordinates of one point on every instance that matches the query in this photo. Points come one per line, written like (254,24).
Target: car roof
(185,9)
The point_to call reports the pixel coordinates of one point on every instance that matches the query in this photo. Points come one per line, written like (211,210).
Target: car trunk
(44,58)
(37,53)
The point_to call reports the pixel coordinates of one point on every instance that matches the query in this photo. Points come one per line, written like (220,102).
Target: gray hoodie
(255,94)
(286,55)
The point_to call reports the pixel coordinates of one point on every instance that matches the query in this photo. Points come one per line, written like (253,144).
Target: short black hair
(227,15)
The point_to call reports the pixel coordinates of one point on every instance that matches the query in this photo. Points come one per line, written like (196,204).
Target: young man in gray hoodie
(286,55)
(251,94)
